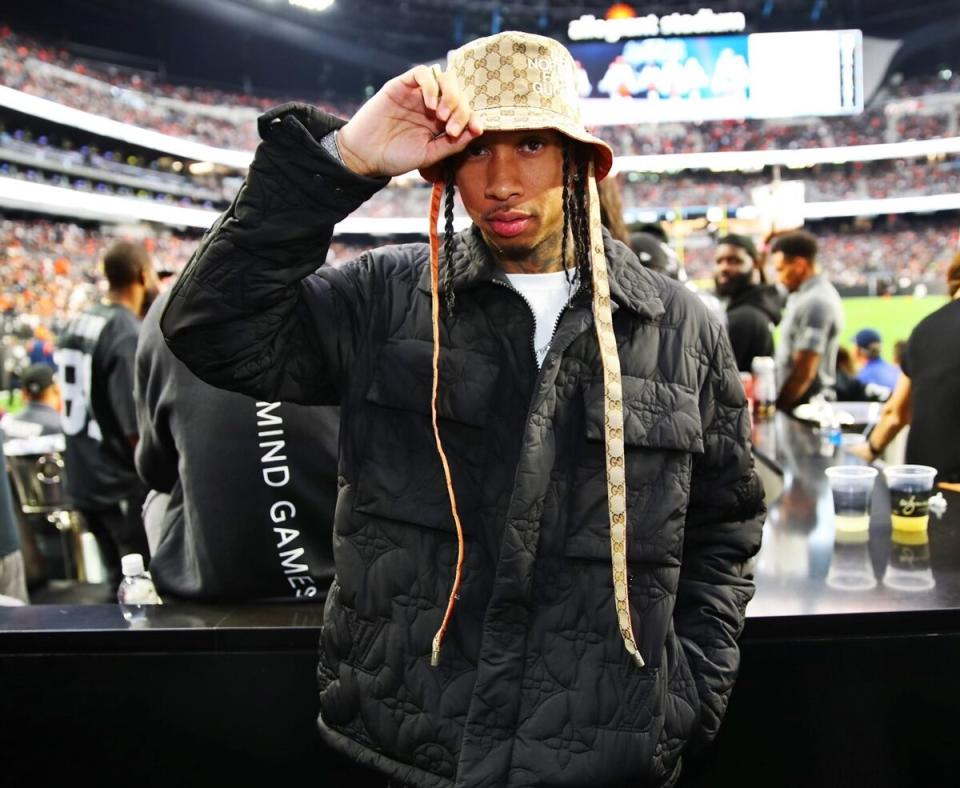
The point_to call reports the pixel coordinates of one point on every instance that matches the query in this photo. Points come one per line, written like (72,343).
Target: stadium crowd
(110,172)
(215,117)
(900,256)
(228,119)
(49,270)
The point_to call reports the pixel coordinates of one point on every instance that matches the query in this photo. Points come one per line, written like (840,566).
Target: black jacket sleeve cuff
(291,136)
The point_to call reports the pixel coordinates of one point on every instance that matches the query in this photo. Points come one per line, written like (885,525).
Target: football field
(893,316)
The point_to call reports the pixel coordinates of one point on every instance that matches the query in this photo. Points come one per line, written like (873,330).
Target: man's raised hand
(415,120)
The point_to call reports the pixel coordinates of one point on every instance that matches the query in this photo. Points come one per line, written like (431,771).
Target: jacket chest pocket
(400,476)
(662,431)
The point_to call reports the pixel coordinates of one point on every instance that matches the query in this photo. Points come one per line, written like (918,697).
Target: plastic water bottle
(764,387)
(136,589)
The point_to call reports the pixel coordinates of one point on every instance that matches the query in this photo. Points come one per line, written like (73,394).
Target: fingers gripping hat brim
(518,82)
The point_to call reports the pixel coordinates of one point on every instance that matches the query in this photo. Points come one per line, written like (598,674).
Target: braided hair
(576,216)
(446,271)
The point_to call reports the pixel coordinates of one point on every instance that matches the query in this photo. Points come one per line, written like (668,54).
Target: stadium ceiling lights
(312,5)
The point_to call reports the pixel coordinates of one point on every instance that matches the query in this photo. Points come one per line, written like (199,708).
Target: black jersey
(95,359)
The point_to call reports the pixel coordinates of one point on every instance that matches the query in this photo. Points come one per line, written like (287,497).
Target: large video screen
(763,75)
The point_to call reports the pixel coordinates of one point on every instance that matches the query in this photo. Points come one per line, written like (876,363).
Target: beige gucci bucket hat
(516,81)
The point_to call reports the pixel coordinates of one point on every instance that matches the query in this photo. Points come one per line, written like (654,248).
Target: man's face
(733,269)
(511,183)
(791,271)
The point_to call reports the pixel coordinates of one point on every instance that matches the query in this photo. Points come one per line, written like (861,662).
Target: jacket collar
(631,285)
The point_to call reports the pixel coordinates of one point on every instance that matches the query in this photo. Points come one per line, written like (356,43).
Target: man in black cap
(753,307)
(41,414)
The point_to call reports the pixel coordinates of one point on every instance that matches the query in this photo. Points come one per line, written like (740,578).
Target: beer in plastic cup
(852,487)
(910,489)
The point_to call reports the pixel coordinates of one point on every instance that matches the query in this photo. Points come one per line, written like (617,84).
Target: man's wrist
(874,451)
(347,157)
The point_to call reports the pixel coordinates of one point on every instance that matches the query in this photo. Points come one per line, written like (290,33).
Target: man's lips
(507,224)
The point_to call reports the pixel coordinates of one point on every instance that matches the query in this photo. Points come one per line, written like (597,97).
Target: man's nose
(503,177)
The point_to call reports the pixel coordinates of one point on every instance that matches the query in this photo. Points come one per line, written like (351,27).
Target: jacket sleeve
(247,314)
(724,521)
(156,455)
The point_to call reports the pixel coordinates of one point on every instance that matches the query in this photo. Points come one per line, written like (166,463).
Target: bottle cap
(132,564)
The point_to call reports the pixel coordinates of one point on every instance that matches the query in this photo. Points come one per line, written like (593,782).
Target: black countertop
(796,574)
(802,570)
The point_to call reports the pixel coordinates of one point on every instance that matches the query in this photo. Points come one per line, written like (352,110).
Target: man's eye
(533,144)
(475,150)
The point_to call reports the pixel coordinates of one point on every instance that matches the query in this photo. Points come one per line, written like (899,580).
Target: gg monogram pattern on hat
(517,81)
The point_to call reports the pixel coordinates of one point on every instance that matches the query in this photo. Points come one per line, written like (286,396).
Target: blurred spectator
(40,348)
(849,389)
(650,243)
(13,576)
(655,254)
(810,334)
(874,371)
(41,412)
(927,392)
(898,347)
(753,307)
(611,208)
(251,486)
(96,362)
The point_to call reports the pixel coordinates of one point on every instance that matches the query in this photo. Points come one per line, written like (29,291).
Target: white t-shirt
(547,295)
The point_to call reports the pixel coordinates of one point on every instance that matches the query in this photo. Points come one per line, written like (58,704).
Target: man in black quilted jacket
(547,503)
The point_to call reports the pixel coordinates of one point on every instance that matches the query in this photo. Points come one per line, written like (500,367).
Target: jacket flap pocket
(655,415)
(400,476)
(404,378)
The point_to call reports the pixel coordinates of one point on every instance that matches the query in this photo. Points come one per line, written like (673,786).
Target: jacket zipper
(533,334)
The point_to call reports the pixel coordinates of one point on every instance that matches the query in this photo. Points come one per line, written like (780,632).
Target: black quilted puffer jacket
(534,686)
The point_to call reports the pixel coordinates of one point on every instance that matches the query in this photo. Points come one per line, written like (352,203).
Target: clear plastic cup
(910,489)
(852,487)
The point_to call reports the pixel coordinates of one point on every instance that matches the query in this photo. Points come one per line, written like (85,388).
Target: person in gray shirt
(810,332)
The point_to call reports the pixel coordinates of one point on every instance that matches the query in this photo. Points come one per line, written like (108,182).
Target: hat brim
(529,119)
